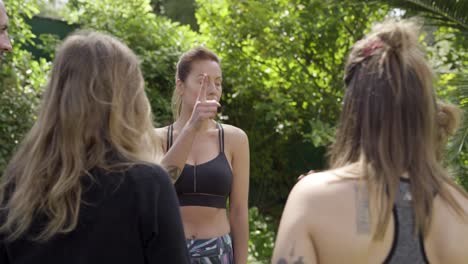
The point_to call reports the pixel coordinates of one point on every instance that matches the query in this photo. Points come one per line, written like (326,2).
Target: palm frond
(451,13)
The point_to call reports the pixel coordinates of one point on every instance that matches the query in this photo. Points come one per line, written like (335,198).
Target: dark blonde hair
(184,67)
(389,124)
(448,120)
(94,114)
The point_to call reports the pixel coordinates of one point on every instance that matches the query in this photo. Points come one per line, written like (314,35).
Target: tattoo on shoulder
(174,172)
(298,260)
(291,254)
(362,210)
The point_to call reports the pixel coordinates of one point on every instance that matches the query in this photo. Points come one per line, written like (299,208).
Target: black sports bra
(207,184)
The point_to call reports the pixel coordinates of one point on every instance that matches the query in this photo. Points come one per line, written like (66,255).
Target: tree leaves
(158,41)
(21,80)
(451,13)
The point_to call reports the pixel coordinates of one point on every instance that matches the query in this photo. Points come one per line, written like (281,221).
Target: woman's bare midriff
(204,222)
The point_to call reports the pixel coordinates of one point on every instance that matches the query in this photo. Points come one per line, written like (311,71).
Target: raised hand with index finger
(203,109)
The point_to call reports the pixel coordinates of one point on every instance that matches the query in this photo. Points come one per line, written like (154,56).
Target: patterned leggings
(216,250)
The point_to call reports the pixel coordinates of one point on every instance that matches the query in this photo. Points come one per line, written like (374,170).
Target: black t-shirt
(125,217)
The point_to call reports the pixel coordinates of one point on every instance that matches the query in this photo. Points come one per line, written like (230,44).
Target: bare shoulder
(161,131)
(234,134)
(460,195)
(323,190)
(326,181)
(233,130)
(161,135)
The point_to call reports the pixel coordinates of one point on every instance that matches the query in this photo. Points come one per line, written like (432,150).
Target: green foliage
(262,237)
(451,13)
(47,44)
(449,57)
(51,8)
(21,80)
(182,11)
(283,66)
(458,147)
(158,41)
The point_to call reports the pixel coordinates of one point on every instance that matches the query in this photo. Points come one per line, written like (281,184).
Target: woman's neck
(184,117)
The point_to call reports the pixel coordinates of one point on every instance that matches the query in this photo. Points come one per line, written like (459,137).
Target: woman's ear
(180,87)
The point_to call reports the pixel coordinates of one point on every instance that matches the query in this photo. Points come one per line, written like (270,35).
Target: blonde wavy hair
(389,124)
(94,114)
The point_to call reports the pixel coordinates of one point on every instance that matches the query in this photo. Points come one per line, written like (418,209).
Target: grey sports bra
(406,248)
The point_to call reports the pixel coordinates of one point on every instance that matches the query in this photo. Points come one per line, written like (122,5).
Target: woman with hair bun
(386,197)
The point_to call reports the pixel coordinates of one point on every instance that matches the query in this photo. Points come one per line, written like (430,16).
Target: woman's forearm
(240,234)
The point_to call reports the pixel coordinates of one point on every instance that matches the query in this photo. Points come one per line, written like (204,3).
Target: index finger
(202,92)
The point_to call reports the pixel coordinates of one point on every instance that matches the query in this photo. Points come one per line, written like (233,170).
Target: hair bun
(398,35)
(448,117)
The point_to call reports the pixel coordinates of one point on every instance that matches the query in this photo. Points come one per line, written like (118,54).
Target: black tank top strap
(169,137)
(170,132)
(221,137)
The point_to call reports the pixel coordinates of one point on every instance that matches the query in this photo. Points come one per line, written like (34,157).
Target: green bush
(158,41)
(262,237)
(21,80)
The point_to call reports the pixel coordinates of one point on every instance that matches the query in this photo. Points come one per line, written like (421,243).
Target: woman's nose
(211,86)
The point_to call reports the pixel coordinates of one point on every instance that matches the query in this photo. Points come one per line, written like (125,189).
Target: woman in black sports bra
(208,163)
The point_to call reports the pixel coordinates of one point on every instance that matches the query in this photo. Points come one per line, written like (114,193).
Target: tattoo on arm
(362,209)
(299,260)
(174,172)
(282,261)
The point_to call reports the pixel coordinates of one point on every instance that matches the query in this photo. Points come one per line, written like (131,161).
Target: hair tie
(371,46)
